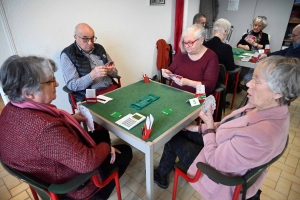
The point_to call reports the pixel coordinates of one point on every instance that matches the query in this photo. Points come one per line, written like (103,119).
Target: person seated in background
(292,51)
(48,143)
(260,39)
(200,19)
(196,64)
(83,64)
(249,137)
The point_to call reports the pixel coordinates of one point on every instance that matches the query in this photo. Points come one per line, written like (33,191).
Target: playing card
(172,76)
(210,100)
(248,37)
(111,63)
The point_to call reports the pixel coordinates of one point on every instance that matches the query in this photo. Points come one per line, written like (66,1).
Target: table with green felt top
(164,126)
(237,52)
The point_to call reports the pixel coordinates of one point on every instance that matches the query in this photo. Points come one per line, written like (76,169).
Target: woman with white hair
(224,51)
(196,64)
(260,39)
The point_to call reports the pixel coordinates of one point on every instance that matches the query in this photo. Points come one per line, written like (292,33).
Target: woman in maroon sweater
(46,142)
(196,64)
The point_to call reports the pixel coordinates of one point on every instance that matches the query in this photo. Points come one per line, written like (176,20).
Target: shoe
(160,181)
(227,104)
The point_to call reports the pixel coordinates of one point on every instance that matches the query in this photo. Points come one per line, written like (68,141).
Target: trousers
(186,145)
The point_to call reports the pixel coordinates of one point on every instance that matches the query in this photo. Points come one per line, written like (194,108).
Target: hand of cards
(173,76)
(250,37)
(210,100)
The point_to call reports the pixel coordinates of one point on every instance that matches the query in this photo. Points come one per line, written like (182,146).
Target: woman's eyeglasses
(51,81)
(189,44)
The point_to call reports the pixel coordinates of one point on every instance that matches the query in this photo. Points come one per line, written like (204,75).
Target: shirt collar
(296,45)
(84,51)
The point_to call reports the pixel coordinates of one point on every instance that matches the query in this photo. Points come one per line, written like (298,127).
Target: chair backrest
(39,186)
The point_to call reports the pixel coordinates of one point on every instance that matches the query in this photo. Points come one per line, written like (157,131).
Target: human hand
(262,56)
(113,151)
(79,117)
(165,73)
(246,47)
(191,127)
(182,81)
(111,69)
(99,71)
(207,118)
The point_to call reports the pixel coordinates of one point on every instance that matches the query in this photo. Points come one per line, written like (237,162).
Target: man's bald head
(82,33)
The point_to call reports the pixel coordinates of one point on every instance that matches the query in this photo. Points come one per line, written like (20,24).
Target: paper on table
(86,113)
(151,120)
(103,99)
(248,54)
(148,123)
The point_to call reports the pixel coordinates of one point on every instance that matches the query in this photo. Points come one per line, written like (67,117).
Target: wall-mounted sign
(156,2)
(233,5)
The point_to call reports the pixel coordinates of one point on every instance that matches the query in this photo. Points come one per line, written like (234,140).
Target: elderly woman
(261,38)
(196,64)
(249,137)
(46,142)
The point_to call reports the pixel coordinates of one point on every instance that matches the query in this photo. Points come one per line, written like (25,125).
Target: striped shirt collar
(84,51)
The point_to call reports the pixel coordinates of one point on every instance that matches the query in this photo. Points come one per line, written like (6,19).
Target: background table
(164,126)
(237,59)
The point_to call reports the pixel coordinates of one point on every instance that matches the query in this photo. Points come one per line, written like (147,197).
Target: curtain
(210,9)
(178,23)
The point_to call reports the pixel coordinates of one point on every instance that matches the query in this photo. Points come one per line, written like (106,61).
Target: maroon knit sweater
(47,147)
(206,70)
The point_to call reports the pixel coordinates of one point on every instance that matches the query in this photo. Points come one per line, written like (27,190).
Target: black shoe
(160,181)
(227,104)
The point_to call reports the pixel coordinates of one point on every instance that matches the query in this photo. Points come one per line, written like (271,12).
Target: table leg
(149,171)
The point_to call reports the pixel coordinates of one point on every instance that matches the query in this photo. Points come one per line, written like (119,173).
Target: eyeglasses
(189,44)
(86,40)
(255,81)
(51,81)
(293,35)
(262,17)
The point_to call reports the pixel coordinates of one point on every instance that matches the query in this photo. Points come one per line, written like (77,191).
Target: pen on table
(101,99)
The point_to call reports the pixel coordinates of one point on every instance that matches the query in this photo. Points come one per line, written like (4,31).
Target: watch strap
(208,131)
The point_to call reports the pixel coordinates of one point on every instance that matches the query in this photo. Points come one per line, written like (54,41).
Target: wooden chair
(52,191)
(72,97)
(242,183)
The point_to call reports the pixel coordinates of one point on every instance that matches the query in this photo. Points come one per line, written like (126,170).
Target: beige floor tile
(22,195)
(198,196)
(124,179)
(16,190)
(283,186)
(294,195)
(136,187)
(295,187)
(4,193)
(294,153)
(1,182)
(284,167)
(166,195)
(294,147)
(1,168)
(292,160)
(290,177)
(273,173)
(272,193)
(125,191)
(132,196)
(264,197)
(193,198)
(186,192)
(136,174)
(3,174)
(11,181)
(269,183)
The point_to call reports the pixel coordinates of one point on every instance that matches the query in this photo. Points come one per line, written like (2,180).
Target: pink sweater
(206,70)
(239,145)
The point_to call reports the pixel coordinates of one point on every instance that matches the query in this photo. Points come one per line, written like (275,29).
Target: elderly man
(199,19)
(85,64)
(293,50)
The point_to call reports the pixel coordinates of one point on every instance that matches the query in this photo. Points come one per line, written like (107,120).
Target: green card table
(237,59)
(164,126)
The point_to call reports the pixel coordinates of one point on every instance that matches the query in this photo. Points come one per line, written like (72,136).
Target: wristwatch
(208,131)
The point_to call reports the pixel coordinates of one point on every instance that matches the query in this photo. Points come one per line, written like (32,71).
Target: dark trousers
(122,161)
(186,145)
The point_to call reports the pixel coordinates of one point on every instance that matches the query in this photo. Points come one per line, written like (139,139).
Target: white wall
(277,12)
(127,29)
(191,9)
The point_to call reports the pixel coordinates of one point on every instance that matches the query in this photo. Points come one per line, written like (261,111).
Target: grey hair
(282,75)
(198,31)
(19,75)
(262,20)
(222,25)
(197,17)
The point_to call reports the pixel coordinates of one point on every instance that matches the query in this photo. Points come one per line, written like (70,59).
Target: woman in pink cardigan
(249,137)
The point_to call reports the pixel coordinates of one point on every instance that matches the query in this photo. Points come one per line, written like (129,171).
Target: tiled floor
(282,181)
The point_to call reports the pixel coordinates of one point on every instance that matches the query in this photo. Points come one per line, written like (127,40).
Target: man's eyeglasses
(86,40)
(262,17)
(293,35)
(189,44)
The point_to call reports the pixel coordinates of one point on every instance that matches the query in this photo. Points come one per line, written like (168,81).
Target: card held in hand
(210,100)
